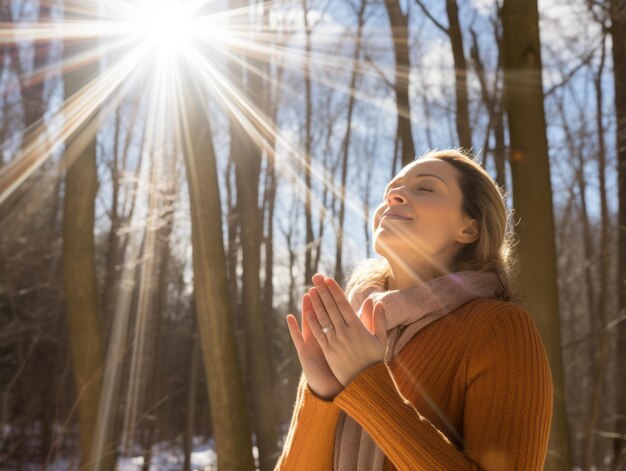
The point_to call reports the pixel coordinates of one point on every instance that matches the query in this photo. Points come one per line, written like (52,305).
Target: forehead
(429,165)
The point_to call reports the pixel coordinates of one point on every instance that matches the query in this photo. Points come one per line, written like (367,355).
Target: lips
(396,215)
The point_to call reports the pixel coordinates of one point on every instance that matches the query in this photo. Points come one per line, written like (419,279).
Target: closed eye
(419,188)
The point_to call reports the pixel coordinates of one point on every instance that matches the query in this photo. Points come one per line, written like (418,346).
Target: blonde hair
(483,200)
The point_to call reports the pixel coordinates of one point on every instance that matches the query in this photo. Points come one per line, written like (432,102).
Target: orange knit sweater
(471,391)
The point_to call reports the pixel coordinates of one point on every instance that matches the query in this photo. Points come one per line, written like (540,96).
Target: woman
(430,362)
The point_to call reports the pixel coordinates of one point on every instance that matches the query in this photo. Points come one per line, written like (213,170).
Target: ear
(469,233)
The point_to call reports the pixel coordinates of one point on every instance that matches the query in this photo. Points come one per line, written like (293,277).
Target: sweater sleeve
(310,441)
(507,412)
(509,395)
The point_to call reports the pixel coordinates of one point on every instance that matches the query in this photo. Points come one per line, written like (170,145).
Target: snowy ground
(165,457)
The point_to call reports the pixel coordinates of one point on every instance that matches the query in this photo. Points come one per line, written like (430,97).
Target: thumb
(366,315)
(380,323)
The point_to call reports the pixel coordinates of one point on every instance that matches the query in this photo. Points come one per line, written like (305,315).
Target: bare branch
(382,75)
(432,18)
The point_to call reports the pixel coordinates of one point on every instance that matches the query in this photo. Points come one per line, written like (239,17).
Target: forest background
(173,173)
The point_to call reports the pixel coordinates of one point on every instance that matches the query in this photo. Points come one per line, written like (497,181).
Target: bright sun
(165,24)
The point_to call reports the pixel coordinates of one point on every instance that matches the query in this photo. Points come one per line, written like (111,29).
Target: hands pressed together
(332,359)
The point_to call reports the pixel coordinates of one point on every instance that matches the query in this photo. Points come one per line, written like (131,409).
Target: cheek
(377,215)
(436,217)
(433,207)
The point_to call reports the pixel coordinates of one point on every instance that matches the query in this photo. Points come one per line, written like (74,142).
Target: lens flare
(165,25)
(150,52)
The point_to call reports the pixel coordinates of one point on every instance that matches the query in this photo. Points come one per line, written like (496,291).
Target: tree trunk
(191,403)
(152,361)
(602,349)
(34,106)
(146,297)
(272,98)
(490,97)
(345,145)
(32,85)
(532,195)
(463,126)
(579,154)
(247,157)
(225,384)
(308,113)
(114,250)
(232,257)
(84,320)
(618,36)
(400,38)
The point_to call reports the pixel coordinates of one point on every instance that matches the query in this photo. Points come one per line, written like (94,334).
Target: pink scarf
(407,311)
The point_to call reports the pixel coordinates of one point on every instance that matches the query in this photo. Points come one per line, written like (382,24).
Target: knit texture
(471,391)
(407,311)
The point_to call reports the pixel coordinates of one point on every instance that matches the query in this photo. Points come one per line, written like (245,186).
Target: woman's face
(434,228)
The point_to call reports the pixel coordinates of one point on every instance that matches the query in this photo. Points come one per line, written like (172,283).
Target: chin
(383,249)
(386,242)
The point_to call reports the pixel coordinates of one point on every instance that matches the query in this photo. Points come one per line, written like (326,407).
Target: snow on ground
(165,457)
(169,457)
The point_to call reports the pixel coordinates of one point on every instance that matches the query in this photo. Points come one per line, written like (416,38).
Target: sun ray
(145,41)
(259,126)
(76,110)
(160,103)
(167,29)
(297,61)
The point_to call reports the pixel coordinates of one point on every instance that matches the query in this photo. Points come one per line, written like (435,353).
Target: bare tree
(345,144)
(453,31)
(602,351)
(532,195)
(399,23)
(247,157)
(618,36)
(308,213)
(83,310)
(222,369)
(491,95)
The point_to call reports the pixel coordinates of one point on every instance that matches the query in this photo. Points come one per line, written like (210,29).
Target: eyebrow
(415,176)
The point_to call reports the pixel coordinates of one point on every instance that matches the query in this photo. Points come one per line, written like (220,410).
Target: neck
(406,276)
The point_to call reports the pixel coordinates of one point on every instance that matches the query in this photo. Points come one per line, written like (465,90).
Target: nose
(395,196)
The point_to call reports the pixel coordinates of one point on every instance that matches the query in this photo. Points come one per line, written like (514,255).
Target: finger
(316,328)
(321,314)
(380,323)
(309,338)
(341,300)
(306,305)
(294,331)
(366,314)
(332,309)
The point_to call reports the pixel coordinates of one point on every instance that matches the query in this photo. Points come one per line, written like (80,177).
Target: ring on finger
(328,328)
(319,308)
